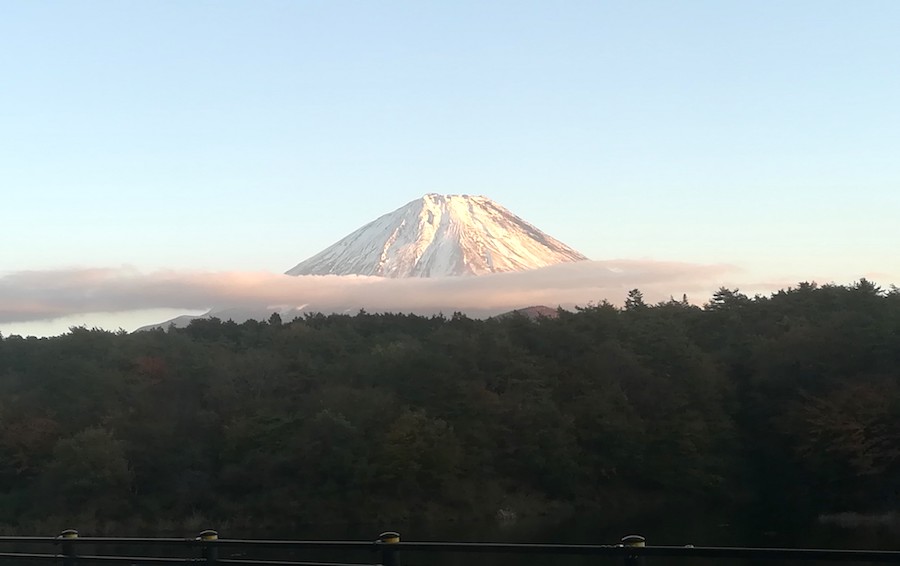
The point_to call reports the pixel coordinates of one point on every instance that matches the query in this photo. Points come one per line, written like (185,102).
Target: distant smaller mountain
(538,311)
(241,315)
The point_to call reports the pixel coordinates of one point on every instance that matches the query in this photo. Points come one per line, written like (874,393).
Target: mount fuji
(436,236)
(440,236)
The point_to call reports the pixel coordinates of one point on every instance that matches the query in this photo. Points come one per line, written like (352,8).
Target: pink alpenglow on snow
(441,236)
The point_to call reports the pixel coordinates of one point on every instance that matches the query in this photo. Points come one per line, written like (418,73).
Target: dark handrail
(389,546)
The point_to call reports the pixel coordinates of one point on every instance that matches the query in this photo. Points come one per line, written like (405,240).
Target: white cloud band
(41,295)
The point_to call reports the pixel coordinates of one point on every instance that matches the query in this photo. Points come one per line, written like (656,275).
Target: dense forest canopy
(790,400)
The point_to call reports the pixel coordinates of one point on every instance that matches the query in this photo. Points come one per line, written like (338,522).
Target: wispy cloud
(41,295)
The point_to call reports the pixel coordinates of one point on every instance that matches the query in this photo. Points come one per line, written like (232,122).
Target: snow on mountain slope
(439,236)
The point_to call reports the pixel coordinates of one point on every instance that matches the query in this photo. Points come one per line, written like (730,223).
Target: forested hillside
(791,400)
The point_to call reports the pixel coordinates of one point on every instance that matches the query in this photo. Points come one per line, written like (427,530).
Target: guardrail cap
(389,537)
(633,540)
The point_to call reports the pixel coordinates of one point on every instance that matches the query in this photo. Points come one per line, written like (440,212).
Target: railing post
(68,547)
(210,551)
(633,541)
(389,552)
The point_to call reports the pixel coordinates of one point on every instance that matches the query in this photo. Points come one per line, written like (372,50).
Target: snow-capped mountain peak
(439,236)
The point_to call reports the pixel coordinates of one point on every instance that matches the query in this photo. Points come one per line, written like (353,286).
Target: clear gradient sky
(246,136)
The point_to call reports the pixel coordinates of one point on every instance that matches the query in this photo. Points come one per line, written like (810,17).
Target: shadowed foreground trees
(792,399)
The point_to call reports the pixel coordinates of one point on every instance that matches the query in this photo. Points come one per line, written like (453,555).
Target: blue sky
(246,136)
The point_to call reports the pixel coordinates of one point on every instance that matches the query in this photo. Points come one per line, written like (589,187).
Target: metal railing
(386,550)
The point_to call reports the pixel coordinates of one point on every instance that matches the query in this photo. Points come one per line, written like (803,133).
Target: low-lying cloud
(41,295)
